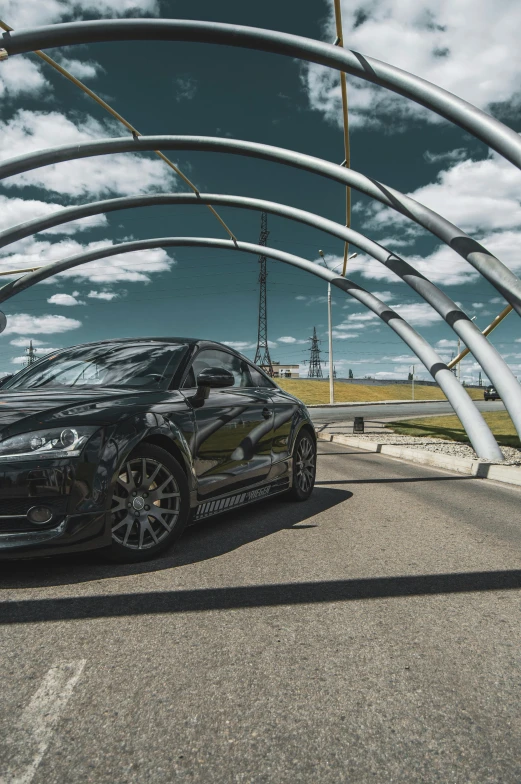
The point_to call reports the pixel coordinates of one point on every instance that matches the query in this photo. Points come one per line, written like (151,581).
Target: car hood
(25,410)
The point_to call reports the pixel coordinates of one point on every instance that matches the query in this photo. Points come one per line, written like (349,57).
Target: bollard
(358,425)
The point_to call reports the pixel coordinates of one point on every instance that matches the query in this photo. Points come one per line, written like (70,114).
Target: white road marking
(39,720)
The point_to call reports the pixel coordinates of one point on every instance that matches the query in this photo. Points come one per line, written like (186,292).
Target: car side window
(215,358)
(258,380)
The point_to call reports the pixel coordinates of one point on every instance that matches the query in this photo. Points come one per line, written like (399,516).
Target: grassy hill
(310,391)
(451,429)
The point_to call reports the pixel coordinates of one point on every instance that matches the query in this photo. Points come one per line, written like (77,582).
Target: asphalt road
(393,411)
(370,635)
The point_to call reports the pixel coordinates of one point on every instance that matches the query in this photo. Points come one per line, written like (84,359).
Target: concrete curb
(462,465)
(370,403)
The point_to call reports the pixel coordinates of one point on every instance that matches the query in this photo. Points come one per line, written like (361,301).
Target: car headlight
(58,442)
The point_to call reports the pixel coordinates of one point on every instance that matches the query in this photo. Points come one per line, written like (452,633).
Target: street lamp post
(330,330)
(459,352)
(330,346)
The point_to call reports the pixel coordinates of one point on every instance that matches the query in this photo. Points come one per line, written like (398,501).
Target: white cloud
(105,295)
(21,76)
(81,69)
(64,299)
(240,345)
(444,344)
(389,374)
(419,314)
(103,175)
(132,267)
(385,296)
(34,13)
(437,40)
(291,340)
(23,342)
(366,315)
(477,196)
(349,326)
(458,154)
(14,210)
(312,299)
(185,88)
(401,359)
(24,324)
(341,335)
(443,266)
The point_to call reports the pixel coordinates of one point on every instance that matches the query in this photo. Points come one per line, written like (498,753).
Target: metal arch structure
(503,279)
(478,431)
(488,357)
(491,268)
(498,136)
(489,130)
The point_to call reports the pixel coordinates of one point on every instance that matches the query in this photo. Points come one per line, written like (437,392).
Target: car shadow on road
(200,542)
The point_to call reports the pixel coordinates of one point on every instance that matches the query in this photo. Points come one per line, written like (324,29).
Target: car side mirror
(211,378)
(215,378)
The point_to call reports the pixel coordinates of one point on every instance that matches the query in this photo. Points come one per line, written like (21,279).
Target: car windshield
(136,365)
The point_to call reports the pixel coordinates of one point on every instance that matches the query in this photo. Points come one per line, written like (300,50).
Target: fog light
(39,515)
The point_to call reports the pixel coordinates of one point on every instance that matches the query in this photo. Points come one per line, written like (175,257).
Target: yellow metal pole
(504,313)
(347,151)
(15,272)
(122,120)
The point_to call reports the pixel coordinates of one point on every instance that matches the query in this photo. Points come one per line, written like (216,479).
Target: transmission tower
(31,353)
(315,365)
(262,355)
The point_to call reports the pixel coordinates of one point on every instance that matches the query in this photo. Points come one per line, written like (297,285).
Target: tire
(139,530)
(304,467)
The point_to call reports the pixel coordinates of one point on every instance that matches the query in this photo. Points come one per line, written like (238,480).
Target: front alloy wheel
(149,504)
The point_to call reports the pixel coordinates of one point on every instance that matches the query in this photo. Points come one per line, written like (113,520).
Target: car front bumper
(75,533)
(70,489)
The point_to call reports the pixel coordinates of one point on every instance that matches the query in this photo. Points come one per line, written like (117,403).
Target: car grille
(13,511)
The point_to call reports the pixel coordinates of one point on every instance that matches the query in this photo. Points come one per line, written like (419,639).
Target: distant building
(285,371)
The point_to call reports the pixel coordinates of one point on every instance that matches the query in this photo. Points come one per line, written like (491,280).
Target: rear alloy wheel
(304,467)
(150,505)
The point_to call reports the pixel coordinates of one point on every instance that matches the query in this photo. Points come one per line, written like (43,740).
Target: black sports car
(119,444)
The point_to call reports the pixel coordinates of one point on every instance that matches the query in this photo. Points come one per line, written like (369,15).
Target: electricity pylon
(315,365)
(262,354)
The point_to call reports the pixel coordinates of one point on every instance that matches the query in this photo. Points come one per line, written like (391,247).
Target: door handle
(266,413)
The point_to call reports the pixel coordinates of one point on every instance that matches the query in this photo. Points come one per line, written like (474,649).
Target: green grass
(451,429)
(318,391)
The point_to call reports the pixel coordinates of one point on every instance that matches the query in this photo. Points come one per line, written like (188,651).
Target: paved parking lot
(370,635)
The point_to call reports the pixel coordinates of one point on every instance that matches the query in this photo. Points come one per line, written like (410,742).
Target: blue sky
(218,91)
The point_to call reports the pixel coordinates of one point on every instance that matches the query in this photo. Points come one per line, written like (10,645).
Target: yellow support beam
(347,150)
(504,313)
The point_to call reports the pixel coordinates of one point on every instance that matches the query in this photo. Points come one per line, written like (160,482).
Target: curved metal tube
(478,431)
(479,257)
(492,132)
(488,357)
